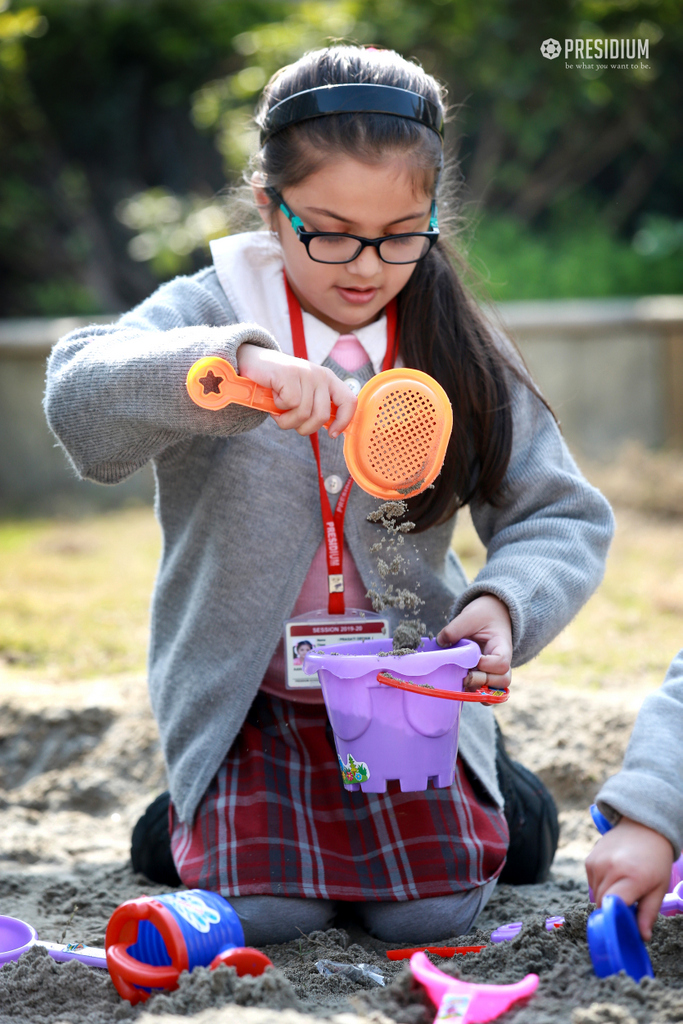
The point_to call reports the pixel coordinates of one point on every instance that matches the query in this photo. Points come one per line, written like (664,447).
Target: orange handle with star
(212,383)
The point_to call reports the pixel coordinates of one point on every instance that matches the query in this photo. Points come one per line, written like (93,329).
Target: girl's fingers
(307,395)
(497,664)
(626,888)
(297,394)
(648,911)
(345,401)
(476,679)
(630,891)
(319,413)
(288,396)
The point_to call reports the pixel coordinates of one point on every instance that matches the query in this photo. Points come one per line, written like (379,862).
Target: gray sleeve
(649,787)
(547,542)
(115,395)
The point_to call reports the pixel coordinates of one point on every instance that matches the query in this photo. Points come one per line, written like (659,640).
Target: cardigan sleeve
(649,787)
(115,394)
(547,543)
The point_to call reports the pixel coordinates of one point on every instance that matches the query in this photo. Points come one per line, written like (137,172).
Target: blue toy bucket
(150,940)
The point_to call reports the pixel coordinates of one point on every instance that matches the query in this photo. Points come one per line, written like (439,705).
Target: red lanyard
(333,524)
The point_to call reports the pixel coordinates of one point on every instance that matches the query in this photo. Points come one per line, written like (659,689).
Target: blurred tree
(95,106)
(120,116)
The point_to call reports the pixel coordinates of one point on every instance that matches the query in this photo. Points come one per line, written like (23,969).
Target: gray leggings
(273,919)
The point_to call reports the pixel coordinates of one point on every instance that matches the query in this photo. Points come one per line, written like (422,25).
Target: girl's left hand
(486,620)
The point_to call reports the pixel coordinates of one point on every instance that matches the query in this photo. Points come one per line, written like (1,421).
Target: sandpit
(78,763)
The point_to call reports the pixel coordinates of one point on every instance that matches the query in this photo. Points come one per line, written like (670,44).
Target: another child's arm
(644,801)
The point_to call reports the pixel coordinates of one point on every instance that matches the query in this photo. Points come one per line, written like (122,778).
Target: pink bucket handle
(484,1002)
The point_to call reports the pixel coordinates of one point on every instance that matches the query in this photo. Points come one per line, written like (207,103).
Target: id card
(315,630)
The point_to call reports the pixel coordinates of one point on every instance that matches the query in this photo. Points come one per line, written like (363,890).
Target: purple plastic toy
(672,903)
(17,937)
(383,733)
(510,931)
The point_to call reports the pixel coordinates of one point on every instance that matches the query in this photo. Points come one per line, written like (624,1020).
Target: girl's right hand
(305,391)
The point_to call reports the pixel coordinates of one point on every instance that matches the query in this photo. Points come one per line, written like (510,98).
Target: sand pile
(36,989)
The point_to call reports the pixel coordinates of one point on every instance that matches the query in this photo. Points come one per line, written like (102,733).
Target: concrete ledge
(587,316)
(35,337)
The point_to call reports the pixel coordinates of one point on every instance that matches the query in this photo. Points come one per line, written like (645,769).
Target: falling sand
(390,562)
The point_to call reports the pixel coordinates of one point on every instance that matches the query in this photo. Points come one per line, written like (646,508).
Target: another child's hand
(634,862)
(305,391)
(486,620)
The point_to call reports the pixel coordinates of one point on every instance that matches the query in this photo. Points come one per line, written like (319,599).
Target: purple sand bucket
(383,733)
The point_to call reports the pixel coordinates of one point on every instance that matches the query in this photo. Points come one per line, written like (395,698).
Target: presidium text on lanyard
(333,524)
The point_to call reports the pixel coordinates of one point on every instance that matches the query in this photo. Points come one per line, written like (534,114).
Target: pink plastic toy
(467,1002)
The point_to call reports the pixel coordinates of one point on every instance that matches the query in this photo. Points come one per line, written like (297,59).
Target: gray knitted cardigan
(238,503)
(649,787)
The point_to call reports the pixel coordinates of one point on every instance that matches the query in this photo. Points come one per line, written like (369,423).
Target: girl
(349,275)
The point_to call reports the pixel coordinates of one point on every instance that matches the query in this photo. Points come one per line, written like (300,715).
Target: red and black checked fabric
(276,820)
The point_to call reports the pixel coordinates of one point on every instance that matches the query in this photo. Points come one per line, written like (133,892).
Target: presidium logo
(597,49)
(550,48)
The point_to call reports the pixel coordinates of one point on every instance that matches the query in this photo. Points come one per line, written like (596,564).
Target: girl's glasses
(329,247)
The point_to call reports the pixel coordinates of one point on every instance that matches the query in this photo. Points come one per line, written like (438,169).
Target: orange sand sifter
(395,444)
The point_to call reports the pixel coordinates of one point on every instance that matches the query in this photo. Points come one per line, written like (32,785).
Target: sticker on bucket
(453,1008)
(354,771)
(194,910)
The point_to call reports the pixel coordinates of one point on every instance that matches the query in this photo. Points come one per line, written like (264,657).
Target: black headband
(351,98)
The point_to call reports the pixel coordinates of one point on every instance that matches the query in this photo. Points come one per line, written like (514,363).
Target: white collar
(249,268)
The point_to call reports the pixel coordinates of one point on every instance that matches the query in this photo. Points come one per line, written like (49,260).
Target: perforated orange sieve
(395,444)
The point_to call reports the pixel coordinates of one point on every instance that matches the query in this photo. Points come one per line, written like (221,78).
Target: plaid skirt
(277,821)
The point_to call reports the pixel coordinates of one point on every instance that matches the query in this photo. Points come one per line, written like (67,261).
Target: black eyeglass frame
(432,235)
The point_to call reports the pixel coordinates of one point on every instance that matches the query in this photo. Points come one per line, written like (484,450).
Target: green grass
(74,596)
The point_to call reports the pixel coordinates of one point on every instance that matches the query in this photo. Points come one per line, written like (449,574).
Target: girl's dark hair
(442,330)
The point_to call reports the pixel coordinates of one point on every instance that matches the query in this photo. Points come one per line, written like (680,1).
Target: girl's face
(371,200)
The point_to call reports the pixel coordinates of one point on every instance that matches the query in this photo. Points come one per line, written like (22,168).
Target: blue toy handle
(599,820)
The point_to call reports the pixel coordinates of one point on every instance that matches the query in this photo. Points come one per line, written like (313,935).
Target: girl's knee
(272,919)
(425,920)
